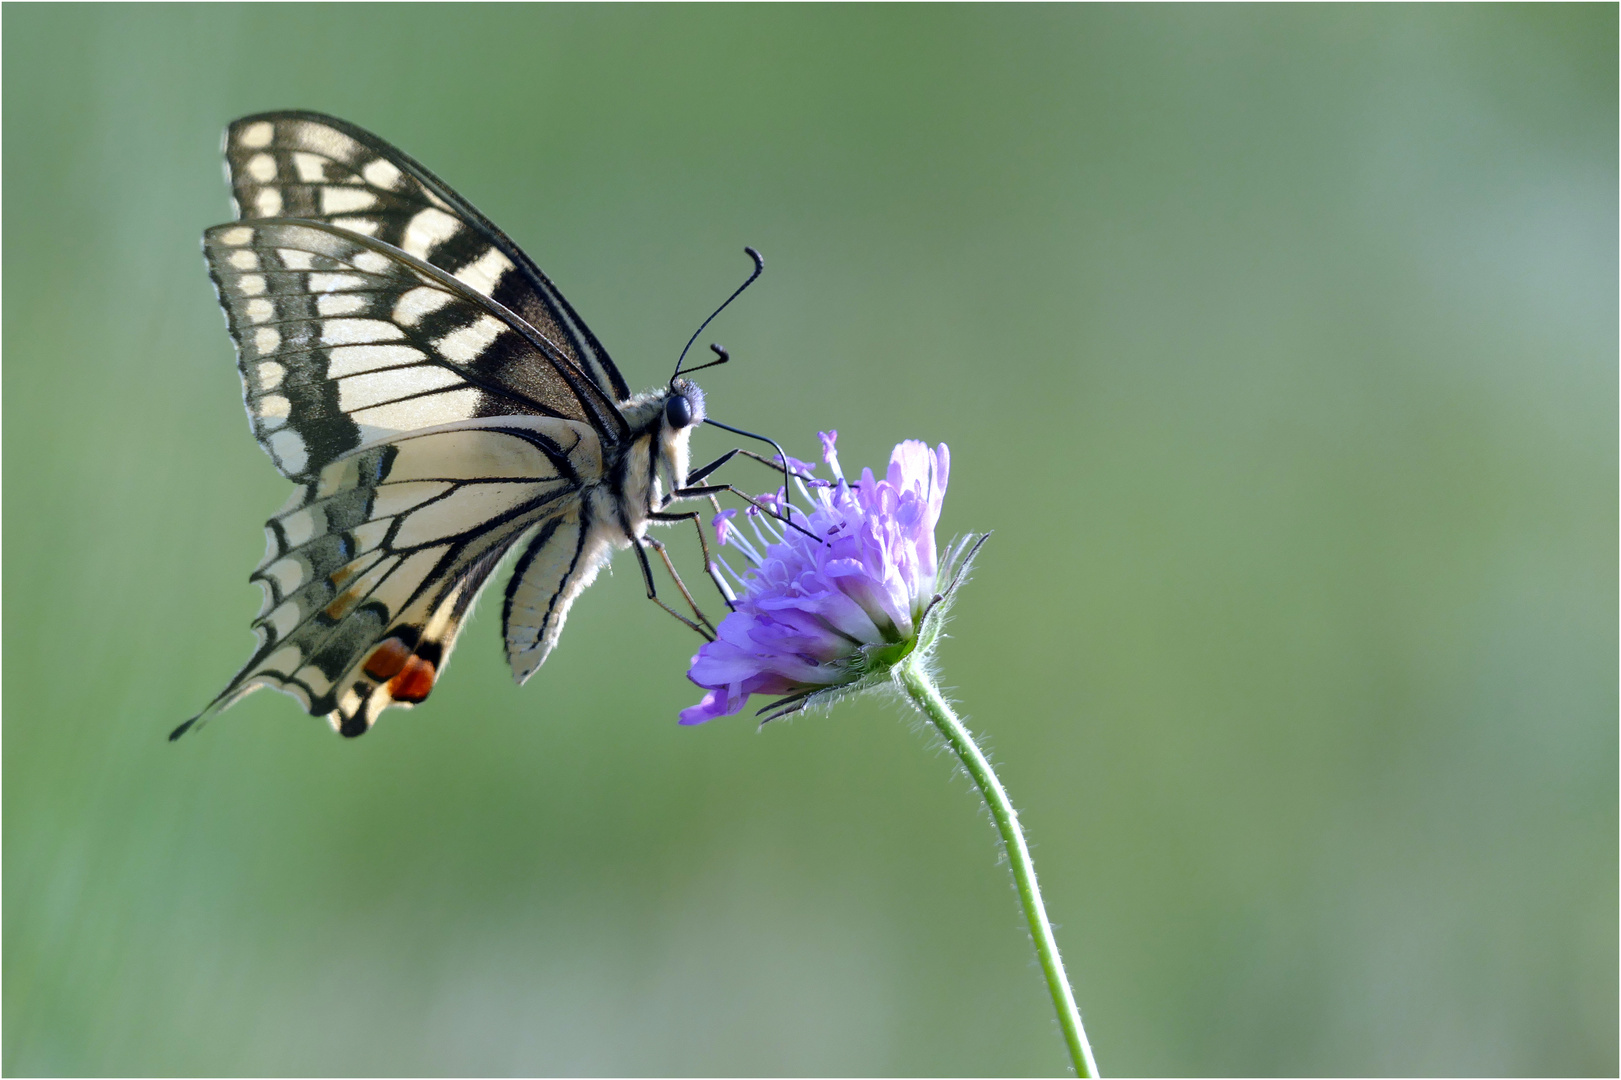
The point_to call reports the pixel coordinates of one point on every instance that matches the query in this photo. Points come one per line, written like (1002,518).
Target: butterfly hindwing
(372,564)
(306,165)
(560,560)
(343,342)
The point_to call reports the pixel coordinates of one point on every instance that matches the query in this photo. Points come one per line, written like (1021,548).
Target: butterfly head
(665,418)
(683,410)
(683,406)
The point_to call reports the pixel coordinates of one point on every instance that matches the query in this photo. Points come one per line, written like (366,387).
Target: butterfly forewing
(306,165)
(343,342)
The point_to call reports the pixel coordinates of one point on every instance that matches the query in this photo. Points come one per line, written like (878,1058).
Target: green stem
(926,697)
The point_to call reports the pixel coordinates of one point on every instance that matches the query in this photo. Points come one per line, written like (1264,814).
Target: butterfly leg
(710,568)
(716,489)
(664,554)
(711,490)
(698,474)
(652,591)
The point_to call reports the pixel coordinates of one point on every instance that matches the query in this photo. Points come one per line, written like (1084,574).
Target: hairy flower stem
(921,689)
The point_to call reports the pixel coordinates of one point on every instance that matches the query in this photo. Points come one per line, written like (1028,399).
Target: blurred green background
(1277,346)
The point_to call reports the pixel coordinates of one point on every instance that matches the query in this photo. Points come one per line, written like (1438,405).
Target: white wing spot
(334,144)
(262,167)
(288,574)
(419,302)
(288,446)
(273,405)
(284,620)
(358,331)
(255,135)
(316,678)
(320,283)
(239,235)
(427,230)
(260,309)
(365,391)
(340,303)
(468,344)
(349,704)
(483,274)
(311,168)
(381,174)
(342,200)
(298,527)
(245,260)
(361,225)
(283,661)
(354,359)
(270,374)
(373,262)
(293,259)
(250,284)
(267,202)
(266,340)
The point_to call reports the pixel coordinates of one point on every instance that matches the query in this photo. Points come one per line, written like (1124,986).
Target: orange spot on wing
(342,605)
(387,660)
(414,682)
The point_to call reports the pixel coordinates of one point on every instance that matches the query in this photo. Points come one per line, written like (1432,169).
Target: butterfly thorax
(654,460)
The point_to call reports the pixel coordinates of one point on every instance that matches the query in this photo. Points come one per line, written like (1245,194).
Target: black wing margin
(295,164)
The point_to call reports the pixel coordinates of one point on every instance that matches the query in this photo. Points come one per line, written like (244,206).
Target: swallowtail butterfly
(437,402)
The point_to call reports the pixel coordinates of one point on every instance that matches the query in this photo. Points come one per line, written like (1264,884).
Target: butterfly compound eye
(678,411)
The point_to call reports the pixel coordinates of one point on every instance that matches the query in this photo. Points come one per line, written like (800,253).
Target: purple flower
(832,609)
(722,524)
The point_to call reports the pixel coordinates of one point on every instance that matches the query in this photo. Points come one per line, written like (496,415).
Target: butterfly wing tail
(230,696)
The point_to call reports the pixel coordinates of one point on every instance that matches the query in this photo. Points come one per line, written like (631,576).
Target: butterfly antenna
(785,516)
(721,354)
(759,268)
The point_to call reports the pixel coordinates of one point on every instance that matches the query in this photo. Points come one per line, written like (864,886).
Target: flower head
(831,604)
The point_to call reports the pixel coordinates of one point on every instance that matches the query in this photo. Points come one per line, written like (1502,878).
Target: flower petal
(830,453)
(722,524)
